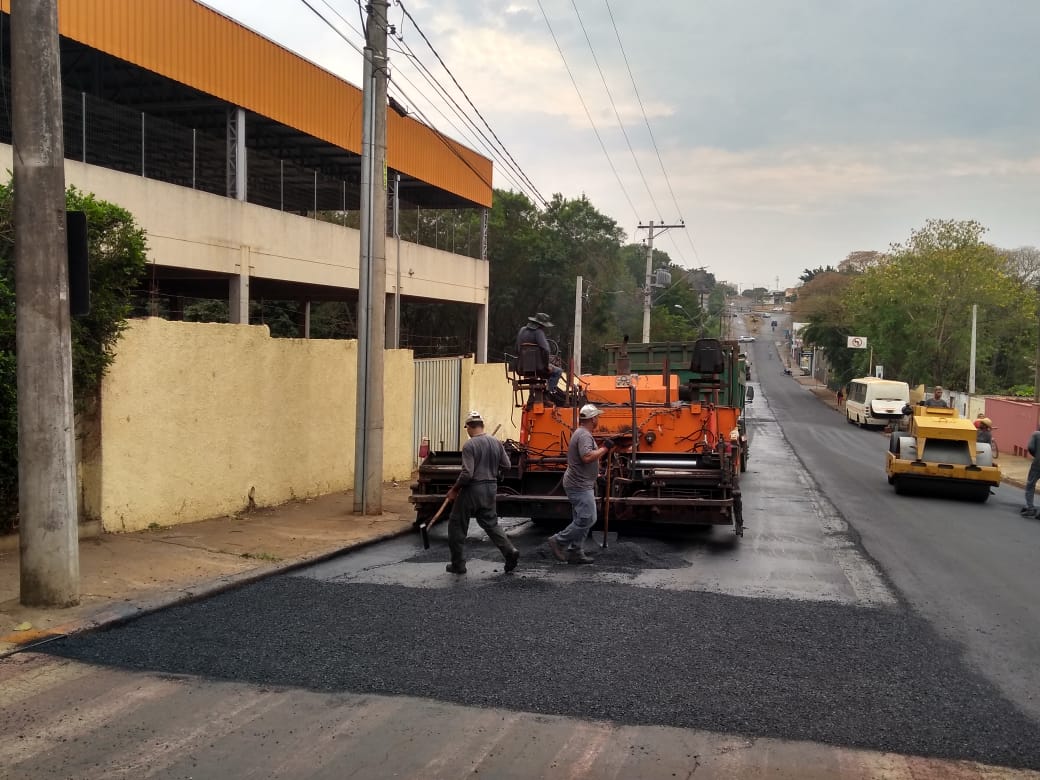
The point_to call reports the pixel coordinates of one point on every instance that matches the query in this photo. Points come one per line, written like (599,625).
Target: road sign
(857,342)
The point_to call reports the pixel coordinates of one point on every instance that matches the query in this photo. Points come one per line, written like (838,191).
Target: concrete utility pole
(368,447)
(48,529)
(647,300)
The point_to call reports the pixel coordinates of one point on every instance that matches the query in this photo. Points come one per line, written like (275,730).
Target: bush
(117,250)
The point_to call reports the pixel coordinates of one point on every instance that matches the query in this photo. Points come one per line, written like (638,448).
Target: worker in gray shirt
(579,481)
(474,492)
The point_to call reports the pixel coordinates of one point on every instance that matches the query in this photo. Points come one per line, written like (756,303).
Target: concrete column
(49,532)
(482,330)
(238,311)
(306,319)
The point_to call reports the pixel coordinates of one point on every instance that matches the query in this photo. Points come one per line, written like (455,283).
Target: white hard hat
(474,418)
(588,412)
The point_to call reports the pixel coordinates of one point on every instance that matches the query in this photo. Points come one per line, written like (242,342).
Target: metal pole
(194,156)
(971,365)
(577,328)
(142,145)
(397,236)
(368,450)
(48,534)
(83,122)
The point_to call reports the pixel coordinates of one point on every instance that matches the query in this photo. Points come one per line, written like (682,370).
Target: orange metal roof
(190,43)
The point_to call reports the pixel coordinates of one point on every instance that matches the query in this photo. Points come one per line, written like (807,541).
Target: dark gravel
(878,679)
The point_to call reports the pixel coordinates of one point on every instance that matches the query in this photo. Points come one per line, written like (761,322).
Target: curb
(110,617)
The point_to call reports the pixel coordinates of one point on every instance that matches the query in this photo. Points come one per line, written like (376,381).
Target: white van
(872,401)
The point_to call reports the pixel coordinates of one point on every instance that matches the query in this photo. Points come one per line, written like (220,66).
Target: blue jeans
(583,517)
(1034,475)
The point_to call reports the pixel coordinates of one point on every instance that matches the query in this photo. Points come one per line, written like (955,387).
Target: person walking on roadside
(483,456)
(1033,447)
(579,481)
(841,398)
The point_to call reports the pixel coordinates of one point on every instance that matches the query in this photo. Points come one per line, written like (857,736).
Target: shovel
(424,529)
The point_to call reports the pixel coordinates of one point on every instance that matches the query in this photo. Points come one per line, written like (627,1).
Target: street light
(688,316)
(697,323)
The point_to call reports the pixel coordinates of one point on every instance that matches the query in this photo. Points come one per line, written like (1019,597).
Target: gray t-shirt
(580,475)
(1033,447)
(482,457)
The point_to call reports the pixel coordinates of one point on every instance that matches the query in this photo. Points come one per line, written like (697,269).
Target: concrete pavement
(126,575)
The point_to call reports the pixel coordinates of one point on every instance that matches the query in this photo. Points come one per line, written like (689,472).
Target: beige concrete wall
(197,230)
(484,388)
(199,420)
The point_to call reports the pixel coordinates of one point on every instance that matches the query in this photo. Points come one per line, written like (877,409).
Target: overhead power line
(613,105)
(444,139)
(649,129)
(588,114)
(466,96)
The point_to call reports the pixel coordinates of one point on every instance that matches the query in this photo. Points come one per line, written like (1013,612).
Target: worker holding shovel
(474,491)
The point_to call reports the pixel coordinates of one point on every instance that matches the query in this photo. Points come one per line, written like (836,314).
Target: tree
(117,255)
(808,274)
(822,306)
(916,308)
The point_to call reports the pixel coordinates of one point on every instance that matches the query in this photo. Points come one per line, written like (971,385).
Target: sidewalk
(1013,469)
(125,575)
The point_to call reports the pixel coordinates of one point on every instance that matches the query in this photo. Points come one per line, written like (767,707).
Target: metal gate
(438,383)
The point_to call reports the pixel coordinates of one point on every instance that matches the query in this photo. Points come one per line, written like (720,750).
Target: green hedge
(118,256)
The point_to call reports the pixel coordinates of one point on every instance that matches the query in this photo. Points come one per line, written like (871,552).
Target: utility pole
(648,289)
(368,445)
(576,352)
(48,523)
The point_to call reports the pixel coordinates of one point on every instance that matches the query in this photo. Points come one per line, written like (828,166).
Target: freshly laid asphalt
(858,677)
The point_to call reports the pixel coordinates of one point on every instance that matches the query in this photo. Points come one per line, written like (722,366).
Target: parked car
(745,338)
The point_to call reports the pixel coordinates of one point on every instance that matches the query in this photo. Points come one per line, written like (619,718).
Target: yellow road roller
(939,454)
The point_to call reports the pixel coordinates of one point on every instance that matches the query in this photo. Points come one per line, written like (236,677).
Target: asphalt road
(834,635)
(970,569)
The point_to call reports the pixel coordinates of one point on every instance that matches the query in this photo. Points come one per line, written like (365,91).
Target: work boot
(556,549)
(1027,511)
(455,568)
(511,560)
(578,557)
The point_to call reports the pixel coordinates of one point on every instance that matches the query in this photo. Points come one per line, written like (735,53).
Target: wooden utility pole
(368,446)
(48,531)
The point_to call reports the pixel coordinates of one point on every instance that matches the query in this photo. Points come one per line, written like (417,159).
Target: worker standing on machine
(579,480)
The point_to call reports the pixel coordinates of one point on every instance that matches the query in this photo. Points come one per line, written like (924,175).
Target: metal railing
(99,132)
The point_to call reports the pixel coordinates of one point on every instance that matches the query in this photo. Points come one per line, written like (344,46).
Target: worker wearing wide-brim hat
(533,332)
(985,432)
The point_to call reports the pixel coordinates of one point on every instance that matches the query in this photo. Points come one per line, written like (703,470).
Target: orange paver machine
(677,458)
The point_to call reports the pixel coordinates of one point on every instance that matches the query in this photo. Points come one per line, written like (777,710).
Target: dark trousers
(476,500)
(1031,480)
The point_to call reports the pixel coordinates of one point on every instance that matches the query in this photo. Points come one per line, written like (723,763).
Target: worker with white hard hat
(579,481)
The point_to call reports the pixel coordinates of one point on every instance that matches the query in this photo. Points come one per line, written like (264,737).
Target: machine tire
(891,480)
(983,454)
(893,442)
(897,483)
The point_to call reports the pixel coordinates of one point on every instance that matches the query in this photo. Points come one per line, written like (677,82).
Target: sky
(784,134)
